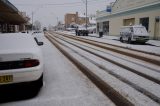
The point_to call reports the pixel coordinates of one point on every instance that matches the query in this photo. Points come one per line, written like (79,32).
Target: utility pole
(86,14)
(32,21)
(57,20)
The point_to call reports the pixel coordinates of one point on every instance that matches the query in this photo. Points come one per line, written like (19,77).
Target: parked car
(82,31)
(92,29)
(44,29)
(20,61)
(136,33)
(71,29)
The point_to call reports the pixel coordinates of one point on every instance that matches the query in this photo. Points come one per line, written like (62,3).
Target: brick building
(71,18)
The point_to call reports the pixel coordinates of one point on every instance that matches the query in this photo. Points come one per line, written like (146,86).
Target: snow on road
(152,46)
(65,85)
(126,90)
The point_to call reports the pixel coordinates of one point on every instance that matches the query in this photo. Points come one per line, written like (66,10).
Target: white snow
(125,60)
(131,94)
(153,46)
(11,41)
(143,83)
(65,85)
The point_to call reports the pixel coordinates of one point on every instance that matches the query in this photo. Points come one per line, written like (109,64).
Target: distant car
(44,29)
(92,29)
(82,31)
(36,32)
(71,29)
(136,33)
(20,60)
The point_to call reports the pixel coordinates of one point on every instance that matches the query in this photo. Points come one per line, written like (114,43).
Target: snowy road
(64,84)
(142,88)
(123,80)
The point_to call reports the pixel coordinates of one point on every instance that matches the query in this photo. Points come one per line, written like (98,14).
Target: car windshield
(140,30)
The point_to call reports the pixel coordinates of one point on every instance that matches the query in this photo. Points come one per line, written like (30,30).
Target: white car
(20,60)
(135,33)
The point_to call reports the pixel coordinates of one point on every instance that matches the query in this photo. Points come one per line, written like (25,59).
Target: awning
(10,14)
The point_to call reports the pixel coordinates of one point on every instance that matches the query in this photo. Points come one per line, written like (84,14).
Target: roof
(10,14)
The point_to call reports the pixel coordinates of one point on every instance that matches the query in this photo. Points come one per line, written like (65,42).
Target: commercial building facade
(127,12)
(11,19)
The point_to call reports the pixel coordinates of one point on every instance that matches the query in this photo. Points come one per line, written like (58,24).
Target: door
(145,22)
(106,27)
(157,28)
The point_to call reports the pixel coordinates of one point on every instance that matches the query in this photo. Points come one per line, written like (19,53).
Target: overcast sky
(49,11)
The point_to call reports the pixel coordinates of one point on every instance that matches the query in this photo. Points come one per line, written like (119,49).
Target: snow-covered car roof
(93,27)
(17,42)
(82,28)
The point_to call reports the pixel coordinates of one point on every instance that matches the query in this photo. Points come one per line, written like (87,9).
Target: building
(71,19)
(127,12)
(11,20)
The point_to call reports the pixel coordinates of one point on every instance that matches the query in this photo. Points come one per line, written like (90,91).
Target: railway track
(97,63)
(149,57)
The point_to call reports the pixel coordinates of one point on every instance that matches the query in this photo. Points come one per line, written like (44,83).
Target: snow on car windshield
(140,31)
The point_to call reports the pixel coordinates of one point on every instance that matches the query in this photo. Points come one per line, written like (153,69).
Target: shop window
(145,22)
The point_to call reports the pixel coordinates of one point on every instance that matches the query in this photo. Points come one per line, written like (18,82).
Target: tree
(37,25)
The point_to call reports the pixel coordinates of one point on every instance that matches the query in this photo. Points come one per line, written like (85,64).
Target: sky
(49,12)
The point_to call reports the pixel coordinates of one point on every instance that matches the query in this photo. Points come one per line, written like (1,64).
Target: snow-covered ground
(152,46)
(124,81)
(64,85)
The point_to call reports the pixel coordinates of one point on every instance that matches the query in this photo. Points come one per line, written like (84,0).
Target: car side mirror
(38,43)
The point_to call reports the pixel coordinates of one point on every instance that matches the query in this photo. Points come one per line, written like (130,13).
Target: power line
(53,3)
(59,4)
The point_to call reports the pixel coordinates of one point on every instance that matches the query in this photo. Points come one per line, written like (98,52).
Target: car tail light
(19,64)
(30,63)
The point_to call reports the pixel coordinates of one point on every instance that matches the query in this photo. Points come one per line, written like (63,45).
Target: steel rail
(142,90)
(110,92)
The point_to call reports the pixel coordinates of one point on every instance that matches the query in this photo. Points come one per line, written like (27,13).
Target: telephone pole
(86,13)
(32,21)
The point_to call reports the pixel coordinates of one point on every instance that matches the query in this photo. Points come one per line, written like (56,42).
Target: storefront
(10,18)
(124,13)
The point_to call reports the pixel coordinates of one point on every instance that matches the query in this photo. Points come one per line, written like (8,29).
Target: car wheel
(121,39)
(39,82)
(129,40)
(36,85)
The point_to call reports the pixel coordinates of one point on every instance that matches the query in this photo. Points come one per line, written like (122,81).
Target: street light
(86,11)
(86,14)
